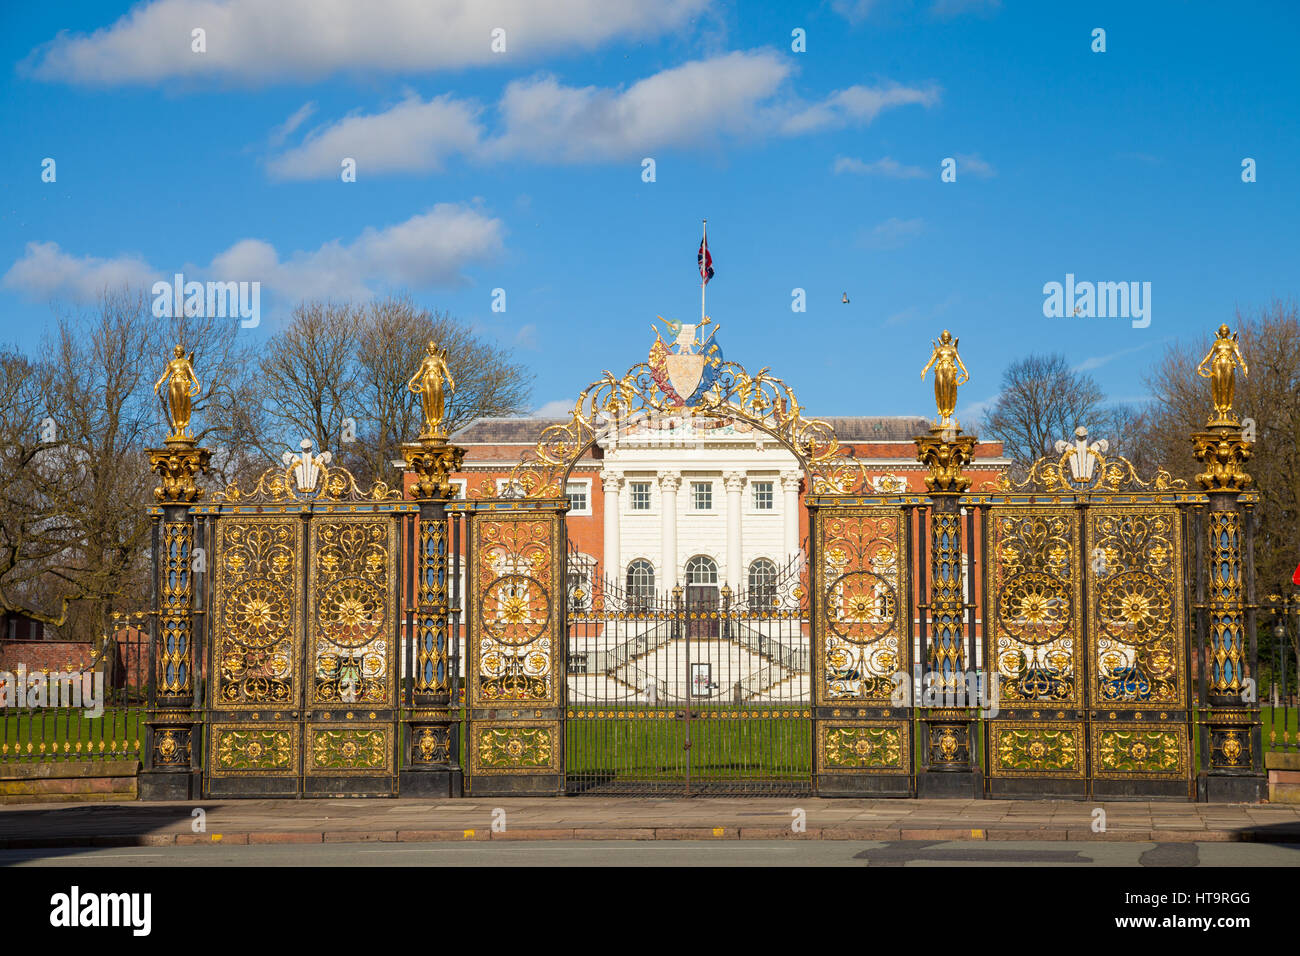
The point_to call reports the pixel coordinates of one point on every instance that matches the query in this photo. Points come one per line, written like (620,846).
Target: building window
(640,582)
(702,495)
(577,663)
(578,493)
(762,495)
(762,584)
(639,495)
(701,570)
(510,488)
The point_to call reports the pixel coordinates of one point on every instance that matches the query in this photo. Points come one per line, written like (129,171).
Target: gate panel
(1034,625)
(256,686)
(862,613)
(351,655)
(515,681)
(1138,696)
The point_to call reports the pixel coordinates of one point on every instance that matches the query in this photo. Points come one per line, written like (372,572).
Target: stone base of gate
(1234,788)
(1030,788)
(517,785)
(431,782)
(950,783)
(861,785)
(156,785)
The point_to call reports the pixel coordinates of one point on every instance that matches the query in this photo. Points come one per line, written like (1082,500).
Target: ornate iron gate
(693,697)
(1087,636)
(302,689)
(515,677)
(864,626)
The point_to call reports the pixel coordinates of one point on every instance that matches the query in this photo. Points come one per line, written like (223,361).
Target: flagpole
(704,279)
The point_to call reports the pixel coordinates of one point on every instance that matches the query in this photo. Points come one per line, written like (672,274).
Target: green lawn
(723,748)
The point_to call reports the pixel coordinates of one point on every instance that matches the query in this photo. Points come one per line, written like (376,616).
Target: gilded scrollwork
(256,638)
(514,611)
(353,608)
(863,603)
(1035,589)
(1136,607)
(761,400)
(1102,474)
(279,485)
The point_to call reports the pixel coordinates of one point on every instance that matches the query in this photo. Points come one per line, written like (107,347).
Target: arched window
(640,581)
(701,570)
(762,584)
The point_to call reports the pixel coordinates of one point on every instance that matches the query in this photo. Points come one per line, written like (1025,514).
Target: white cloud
(738,94)
(856,105)
(429,249)
(894,232)
(46,271)
(526,337)
(972,165)
(412,136)
(252,41)
(885,166)
(285,129)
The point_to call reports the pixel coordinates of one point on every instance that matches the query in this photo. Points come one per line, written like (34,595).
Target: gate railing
(1278,640)
(91,709)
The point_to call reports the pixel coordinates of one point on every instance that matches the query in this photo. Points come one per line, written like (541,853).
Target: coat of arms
(686,365)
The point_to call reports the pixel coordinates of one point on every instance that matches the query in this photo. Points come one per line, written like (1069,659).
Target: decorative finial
(428,383)
(946,363)
(1220,366)
(182,385)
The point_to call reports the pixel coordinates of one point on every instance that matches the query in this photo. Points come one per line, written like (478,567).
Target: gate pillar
(1231,743)
(948,767)
(431,758)
(171,769)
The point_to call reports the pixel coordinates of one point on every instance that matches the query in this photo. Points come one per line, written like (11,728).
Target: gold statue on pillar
(427,382)
(1219,366)
(946,363)
(182,385)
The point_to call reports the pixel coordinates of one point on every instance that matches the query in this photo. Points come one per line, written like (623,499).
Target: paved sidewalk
(569,818)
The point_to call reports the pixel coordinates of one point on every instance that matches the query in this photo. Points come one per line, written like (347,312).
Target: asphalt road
(678,853)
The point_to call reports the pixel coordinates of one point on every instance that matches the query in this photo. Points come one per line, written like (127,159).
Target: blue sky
(522,170)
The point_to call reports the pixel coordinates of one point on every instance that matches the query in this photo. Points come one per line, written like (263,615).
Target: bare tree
(336,362)
(309,375)
(391,346)
(1042,401)
(86,541)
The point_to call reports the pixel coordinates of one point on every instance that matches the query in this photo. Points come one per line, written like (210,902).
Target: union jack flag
(705,260)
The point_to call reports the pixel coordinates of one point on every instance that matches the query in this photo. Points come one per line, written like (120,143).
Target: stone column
(169,767)
(431,761)
(668,483)
(612,558)
(790,515)
(735,481)
(948,766)
(1230,720)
